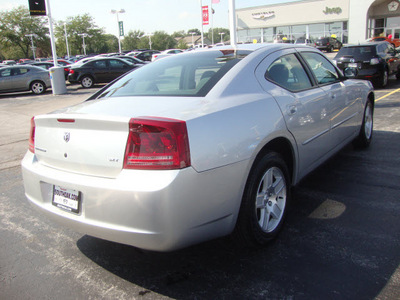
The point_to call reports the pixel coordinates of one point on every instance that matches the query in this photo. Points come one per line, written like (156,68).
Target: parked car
(327,44)
(42,64)
(304,41)
(395,42)
(146,55)
(50,64)
(195,146)
(165,53)
(9,62)
(24,78)
(375,61)
(133,60)
(25,60)
(100,70)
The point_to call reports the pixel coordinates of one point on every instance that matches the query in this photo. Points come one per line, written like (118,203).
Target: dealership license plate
(352,65)
(66,199)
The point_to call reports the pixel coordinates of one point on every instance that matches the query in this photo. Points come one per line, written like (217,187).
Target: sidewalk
(16,111)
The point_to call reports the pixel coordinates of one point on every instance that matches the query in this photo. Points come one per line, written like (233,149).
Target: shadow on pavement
(348,254)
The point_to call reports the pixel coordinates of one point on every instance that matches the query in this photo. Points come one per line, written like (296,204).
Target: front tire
(264,202)
(38,87)
(384,80)
(87,82)
(365,136)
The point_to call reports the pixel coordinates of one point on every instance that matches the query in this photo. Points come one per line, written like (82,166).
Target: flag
(205,15)
(215,1)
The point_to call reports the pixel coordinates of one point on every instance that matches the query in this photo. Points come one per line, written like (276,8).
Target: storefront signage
(263,15)
(393,6)
(332,10)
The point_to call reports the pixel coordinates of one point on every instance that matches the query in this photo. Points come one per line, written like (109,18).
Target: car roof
(368,44)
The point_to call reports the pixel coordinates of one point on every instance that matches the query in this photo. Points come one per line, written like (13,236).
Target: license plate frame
(66,199)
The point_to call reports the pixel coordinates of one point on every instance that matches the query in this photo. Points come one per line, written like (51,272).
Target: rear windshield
(190,74)
(360,53)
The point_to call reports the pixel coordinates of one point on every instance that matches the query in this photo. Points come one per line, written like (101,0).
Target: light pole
(149,35)
(32,35)
(221,33)
(121,11)
(66,38)
(192,33)
(83,35)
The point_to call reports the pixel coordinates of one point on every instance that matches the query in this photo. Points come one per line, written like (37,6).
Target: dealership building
(350,21)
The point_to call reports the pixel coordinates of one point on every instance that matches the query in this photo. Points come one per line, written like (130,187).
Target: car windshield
(191,74)
(359,53)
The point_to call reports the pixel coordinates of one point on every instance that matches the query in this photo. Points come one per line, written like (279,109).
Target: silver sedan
(24,78)
(195,146)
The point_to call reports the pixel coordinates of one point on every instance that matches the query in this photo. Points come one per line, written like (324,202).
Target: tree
(182,44)
(217,35)
(132,40)
(195,30)
(96,41)
(180,33)
(162,41)
(14,26)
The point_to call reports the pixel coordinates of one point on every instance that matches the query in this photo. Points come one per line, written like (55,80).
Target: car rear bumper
(154,210)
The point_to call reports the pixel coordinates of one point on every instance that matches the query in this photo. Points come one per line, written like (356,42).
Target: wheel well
(86,75)
(283,147)
(37,80)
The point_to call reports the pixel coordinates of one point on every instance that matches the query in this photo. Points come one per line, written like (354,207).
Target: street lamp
(149,35)
(32,35)
(121,11)
(221,33)
(83,35)
(192,33)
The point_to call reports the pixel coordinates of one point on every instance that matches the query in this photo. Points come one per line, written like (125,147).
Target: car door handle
(292,109)
(333,96)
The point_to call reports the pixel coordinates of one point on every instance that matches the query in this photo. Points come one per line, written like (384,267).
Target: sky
(145,15)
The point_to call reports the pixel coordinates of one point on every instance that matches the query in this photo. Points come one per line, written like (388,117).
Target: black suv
(327,44)
(375,61)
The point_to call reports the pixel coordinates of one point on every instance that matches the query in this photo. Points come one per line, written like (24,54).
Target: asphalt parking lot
(341,239)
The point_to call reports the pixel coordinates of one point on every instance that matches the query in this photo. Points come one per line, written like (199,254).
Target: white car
(165,54)
(195,146)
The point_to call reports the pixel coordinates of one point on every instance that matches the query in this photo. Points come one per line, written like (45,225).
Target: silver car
(24,78)
(195,146)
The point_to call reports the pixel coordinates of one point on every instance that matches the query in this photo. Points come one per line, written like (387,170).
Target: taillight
(157,144)
(71,71)
(66,69)
(32,136)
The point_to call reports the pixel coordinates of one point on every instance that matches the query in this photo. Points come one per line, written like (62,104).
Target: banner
(205,15)
(121,28)
(37,8)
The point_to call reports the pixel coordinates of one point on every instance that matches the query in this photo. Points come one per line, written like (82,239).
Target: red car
(394,42)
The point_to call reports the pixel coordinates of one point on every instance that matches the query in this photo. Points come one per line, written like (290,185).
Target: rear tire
(264,202)
(365,136)
(38,87)
(87,81)
(384,80)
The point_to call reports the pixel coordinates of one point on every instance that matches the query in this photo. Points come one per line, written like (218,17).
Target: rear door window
(288,72)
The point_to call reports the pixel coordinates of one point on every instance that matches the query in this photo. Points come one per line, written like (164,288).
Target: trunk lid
(83,144)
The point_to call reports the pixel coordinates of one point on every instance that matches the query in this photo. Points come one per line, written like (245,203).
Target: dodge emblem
(66,137)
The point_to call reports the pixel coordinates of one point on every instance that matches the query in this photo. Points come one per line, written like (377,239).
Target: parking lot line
(384,96)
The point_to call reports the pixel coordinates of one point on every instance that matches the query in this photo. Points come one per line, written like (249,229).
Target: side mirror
(350,73)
